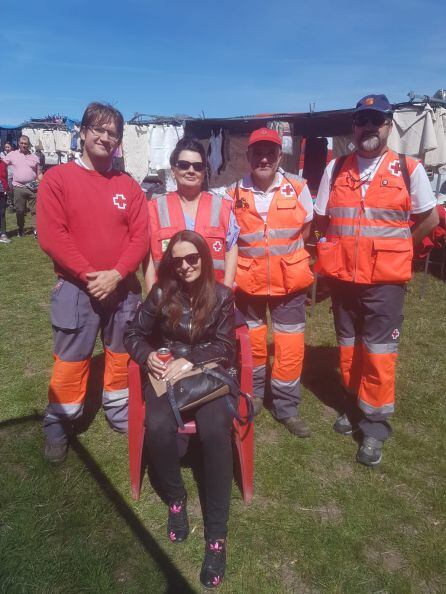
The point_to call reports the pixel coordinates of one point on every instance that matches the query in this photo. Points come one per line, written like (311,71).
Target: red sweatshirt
(89,221)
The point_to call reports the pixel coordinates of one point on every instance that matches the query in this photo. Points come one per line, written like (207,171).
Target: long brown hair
(202,291)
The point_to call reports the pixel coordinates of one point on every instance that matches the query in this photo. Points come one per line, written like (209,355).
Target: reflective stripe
(215,210)
(400,232)
(250,237)
(285,388)
(279,250)
(254,322)
(219,264)
(341,230)
(115,398)
(57,410)
(380,349)
(251,252)
(288,328)
(385,214)
(346,341)
(163,211)
(345,212)
(385,409)
(368,231)
(284,233)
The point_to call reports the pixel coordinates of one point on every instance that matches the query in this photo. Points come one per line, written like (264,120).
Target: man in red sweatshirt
(92,222)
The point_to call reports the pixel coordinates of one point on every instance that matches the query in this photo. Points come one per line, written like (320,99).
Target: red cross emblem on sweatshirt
(395,168)
(217,246)
(120,201)
(287,190)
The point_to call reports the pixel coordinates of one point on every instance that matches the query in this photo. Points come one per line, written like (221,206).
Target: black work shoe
(214,563)
(55,452)
(177,522)
(342,425)
(257,406)
(296,426)
(370,452)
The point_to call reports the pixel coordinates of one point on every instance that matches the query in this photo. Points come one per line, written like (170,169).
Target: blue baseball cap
(375,103)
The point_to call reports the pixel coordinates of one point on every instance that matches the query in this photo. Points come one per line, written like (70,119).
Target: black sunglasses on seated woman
(191,260)
(198,166)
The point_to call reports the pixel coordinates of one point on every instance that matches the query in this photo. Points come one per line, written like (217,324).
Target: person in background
(7,148)
(3,198)
(92,222)
(274,210)
(363,207)
(192,208)
(192,315)
(25,173)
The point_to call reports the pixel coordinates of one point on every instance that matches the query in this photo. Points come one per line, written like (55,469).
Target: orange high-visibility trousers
(368,321)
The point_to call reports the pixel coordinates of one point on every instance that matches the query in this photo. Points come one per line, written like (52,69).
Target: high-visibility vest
(368,239)
(166,218)
(271,255)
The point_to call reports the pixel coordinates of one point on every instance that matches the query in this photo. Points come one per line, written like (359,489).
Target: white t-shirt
(421,193)
(263,200)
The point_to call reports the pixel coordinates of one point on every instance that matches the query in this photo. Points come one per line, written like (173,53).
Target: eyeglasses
(97,131)
(190,259)
(198,166)
(376,119)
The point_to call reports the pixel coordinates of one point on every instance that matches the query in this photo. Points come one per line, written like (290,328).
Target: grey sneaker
(370,452)
(296,426)
(4,239)
(257,406)
(55,452)
(342,425)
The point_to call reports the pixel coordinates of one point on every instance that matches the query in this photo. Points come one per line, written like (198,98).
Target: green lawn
(318,522)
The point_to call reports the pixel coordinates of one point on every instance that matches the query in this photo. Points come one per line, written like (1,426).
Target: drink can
(164,355)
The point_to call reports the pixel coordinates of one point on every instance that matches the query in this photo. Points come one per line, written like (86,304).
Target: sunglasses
(198,166)
(190,259)
(376,119)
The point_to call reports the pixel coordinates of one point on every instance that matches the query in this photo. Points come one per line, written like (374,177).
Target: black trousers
(214,426)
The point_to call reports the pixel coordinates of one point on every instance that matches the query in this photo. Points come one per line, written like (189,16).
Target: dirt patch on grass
(266,436)
(292,582)
(265,502)
(329,512)
(391,559)
(343,470)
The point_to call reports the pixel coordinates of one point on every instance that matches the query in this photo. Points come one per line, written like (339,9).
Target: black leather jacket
(149,331)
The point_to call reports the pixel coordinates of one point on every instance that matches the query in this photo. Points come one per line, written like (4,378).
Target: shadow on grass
(320,376)
(175,582)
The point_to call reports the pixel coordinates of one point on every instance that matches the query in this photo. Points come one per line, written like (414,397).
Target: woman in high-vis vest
(363,208)
(273,210)
(191,208)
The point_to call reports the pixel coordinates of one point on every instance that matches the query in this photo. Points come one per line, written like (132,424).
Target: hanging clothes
(135,146)
(215,158)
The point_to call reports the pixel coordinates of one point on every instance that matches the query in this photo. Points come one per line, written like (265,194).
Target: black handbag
(202,384)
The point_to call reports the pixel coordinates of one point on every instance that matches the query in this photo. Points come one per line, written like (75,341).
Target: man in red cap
(274,210)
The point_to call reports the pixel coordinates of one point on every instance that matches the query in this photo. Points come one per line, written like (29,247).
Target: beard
(369,144)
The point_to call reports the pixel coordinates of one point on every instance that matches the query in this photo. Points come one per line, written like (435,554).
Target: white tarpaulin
(135,147)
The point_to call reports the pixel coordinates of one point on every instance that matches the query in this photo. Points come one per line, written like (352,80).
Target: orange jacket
(271,257)
(368,239)
(166,218)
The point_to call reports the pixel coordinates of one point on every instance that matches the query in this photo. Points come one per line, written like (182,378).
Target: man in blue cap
(363,208)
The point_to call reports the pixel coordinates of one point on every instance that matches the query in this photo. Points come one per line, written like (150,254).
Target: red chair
(243,432)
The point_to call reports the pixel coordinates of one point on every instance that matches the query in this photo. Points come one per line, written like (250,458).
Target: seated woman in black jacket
(193,315)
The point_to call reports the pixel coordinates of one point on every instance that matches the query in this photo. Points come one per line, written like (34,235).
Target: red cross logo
(217,246)
(395,334)
(395,168)
(120,201)
(287,190)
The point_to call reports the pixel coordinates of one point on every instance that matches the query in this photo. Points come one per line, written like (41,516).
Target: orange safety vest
(166,218)
(368,239)
(271,256)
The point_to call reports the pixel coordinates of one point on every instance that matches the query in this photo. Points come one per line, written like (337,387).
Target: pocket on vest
(251,275)
(329,259)
(392,261)
(296,271)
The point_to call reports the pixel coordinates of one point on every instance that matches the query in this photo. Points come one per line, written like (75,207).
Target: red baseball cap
(264,135)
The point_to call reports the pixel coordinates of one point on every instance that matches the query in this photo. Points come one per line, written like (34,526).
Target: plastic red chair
(243,432)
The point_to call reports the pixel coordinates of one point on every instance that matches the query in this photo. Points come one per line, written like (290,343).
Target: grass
(318,522)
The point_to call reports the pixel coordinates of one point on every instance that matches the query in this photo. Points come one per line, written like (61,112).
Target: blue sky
(224,59)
